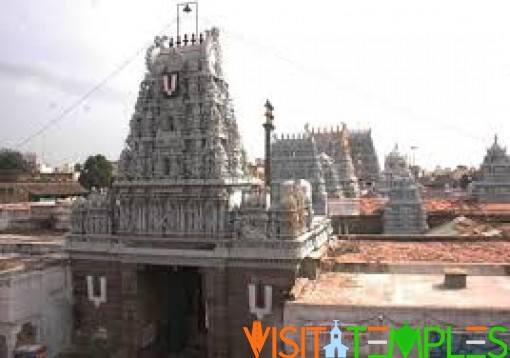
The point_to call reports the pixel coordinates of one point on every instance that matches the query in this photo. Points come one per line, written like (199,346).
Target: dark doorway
(172,308)
(3,346)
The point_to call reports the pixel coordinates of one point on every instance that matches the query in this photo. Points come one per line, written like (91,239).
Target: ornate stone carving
(405,211)
(92,216)
(493,185)
(298,158)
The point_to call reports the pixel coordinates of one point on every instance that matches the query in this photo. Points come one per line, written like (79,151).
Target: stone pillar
(217,312)
(130,332)
(268,128)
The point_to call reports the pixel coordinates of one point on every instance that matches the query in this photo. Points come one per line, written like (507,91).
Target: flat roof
(405,291)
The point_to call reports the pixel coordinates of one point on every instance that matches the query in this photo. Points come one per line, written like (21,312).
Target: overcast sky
(430,74)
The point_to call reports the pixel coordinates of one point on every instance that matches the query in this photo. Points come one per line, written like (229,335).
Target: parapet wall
(417,268)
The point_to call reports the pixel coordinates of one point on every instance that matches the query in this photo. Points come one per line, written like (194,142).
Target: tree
(13,161)
(97,172)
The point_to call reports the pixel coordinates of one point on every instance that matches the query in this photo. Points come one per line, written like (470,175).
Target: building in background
(335,143)
(35,294)
(36,216)
(364,157)
(493,183)
(38,186)
(297,157)
(256,169)
(404,212)
(336,161)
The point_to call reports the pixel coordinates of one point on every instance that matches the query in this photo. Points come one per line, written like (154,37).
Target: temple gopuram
(494,182)
(184,250)
(339,163)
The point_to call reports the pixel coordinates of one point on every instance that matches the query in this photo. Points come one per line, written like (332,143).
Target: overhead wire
(332,82)
(369,96)
(75,104)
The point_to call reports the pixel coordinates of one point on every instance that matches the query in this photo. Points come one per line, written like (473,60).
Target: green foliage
(97,172)
(13,161)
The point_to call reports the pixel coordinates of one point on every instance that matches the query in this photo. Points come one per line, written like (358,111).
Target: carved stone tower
(175,256)
(335,143)
(364,157)
(494,182)
(405,211)
(296,157)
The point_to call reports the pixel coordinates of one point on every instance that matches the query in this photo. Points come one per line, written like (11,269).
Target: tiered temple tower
(296,157)
(494,182)
(330,172)
(405,211)
(364,157)
(348,158)
(395,165)
(183,251)
(335,143)
(183,134)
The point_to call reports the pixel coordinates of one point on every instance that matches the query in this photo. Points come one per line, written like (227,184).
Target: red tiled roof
(450,251)
(465,206)
(496,207)
(373,206)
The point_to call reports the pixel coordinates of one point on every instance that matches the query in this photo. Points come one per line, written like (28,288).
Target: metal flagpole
(187,9)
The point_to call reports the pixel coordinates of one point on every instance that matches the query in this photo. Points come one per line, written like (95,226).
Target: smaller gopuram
(404,212)
(395,165)
(335,143)
(296,157)
(185,249)
(364,157)
(333,185)
(493,184)
(334,160)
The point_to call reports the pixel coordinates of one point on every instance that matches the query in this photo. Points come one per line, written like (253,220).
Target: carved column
(268,128)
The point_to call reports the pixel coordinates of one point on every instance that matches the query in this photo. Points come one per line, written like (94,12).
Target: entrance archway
(172,311)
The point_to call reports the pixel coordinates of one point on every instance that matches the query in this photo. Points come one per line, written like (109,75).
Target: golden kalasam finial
(344,138)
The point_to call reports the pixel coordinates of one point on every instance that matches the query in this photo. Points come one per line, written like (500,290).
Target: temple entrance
(172,312)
